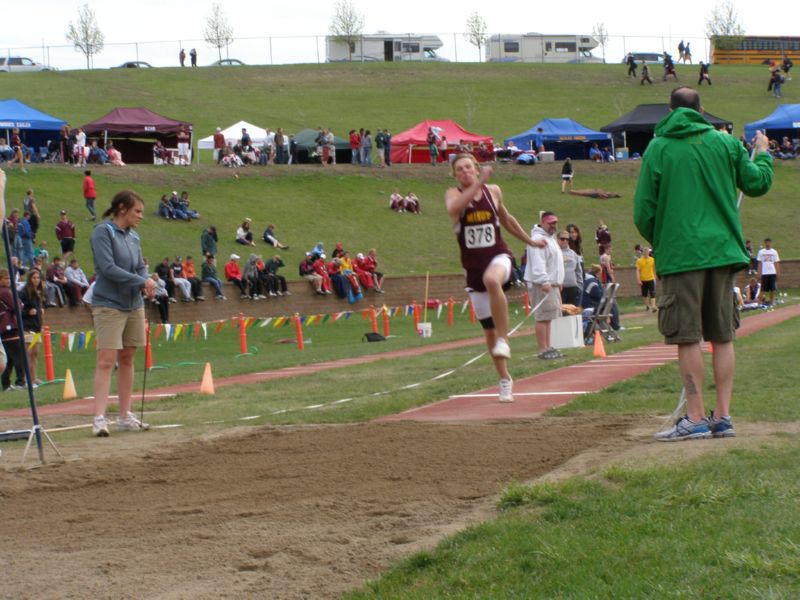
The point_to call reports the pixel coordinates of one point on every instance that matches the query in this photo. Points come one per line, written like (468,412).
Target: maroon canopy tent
(134,130)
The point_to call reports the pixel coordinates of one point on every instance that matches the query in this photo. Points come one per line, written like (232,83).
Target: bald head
(684,97)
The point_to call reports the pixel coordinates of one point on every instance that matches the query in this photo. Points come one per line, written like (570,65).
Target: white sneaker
(131,423)
(100,427)
(501,349)
(506,390)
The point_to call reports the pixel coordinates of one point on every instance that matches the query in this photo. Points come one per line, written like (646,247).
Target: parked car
(651,57)
(227,62)
(9,64)
(134,64)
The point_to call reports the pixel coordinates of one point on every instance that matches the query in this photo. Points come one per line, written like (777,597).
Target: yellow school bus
(753,50)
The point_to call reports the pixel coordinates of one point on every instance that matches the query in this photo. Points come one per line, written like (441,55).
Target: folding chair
(601,318)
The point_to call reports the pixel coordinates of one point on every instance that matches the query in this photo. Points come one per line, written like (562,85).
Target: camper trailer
(385,47)
(541,48)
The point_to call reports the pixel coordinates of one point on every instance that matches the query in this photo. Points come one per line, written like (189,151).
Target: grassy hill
(350,204)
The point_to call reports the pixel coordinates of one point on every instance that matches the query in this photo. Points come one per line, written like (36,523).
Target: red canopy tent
(411,146)
(134,130)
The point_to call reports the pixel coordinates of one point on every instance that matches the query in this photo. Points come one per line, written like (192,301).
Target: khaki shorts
(698,305)
(550,308)
(117,329)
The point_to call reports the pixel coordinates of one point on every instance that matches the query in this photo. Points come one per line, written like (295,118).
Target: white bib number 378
(479,236)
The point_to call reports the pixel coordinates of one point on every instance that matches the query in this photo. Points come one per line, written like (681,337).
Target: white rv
(385,47)
(541,48)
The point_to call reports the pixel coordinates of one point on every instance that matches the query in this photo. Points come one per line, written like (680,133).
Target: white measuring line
(522,394)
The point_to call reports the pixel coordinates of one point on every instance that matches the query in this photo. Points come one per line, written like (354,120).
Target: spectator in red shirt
(89,194)
(355,147)
(234,274)
(371,265)
(219,144)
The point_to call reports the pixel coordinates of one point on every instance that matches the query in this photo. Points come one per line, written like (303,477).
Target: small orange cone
(599,349)
(207,384)
(69,386)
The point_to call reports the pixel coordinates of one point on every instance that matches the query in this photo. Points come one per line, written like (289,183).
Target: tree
(346,25)
(600,33)
(476,32)
(218,33)
(723,27)
(85,35)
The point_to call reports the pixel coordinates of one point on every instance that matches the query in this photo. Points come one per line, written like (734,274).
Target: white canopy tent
(233,134)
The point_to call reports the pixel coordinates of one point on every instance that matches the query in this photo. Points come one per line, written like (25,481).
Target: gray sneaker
(131,423)
(685,429)
(721,427)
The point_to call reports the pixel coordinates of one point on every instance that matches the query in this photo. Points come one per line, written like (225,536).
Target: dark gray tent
(634,130)
(307,147)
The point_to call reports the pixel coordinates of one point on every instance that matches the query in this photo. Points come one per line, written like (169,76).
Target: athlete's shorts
(481,303)
(117,329)
(769,283)
(67,245)
(550,307)
(649,289)
(475,276)
(566,177)
(698,305)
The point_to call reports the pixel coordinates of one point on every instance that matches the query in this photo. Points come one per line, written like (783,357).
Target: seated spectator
(160,154)
(268,282)
(164,271)
(230,158)
(272,265)
(243,235)
(234,274)
(321,269)
(396,201)
(183,201)
(269,237)
(339,282)
(364,276)
(595,154)
(114,155)
(165,208)
(317,250)
(97,154)
(6,152)
(55,275)
(161,298)
(346,269)
(752,292)
(338,250)
(209,274)
(411,203)
(592,294)
(371,265)
(309,273)
(190,274)
(41,250)
(248,154)
(786,150)
(181,282)
(76,279)
(178,211)
(607,156)
(484,154)
(252,277)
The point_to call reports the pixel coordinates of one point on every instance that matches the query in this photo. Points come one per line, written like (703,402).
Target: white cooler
(567,332)
(547,156)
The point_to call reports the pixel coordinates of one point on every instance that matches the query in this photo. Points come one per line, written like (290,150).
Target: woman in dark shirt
(32,299)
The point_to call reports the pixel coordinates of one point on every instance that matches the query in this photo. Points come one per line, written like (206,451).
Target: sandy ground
(289,512)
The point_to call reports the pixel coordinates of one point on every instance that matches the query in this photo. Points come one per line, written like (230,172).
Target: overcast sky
(38,29)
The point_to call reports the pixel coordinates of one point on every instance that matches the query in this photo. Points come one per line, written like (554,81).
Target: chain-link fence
(280,50)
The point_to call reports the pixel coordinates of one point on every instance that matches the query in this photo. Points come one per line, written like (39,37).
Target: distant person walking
(703,74)
(193,56)
(631,62)
(182,57)
(566,175)
(646,74)
(685,206)
(89,195)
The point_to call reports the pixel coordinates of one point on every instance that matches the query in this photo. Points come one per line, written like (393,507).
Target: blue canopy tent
(784,121)
(565,137)
(35,127)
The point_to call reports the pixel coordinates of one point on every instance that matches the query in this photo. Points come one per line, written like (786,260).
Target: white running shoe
(501,349)
(100,427)
(131,423)
(506,390)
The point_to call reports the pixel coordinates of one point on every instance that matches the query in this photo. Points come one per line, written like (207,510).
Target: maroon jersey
(480,239)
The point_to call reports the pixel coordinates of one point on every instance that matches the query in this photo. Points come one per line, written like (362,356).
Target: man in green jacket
(686,207)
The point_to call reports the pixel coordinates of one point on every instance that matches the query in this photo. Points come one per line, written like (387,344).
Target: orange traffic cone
(207,384)
(599,349)
(69,387)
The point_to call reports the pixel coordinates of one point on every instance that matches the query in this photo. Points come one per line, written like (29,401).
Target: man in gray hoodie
(545,276)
